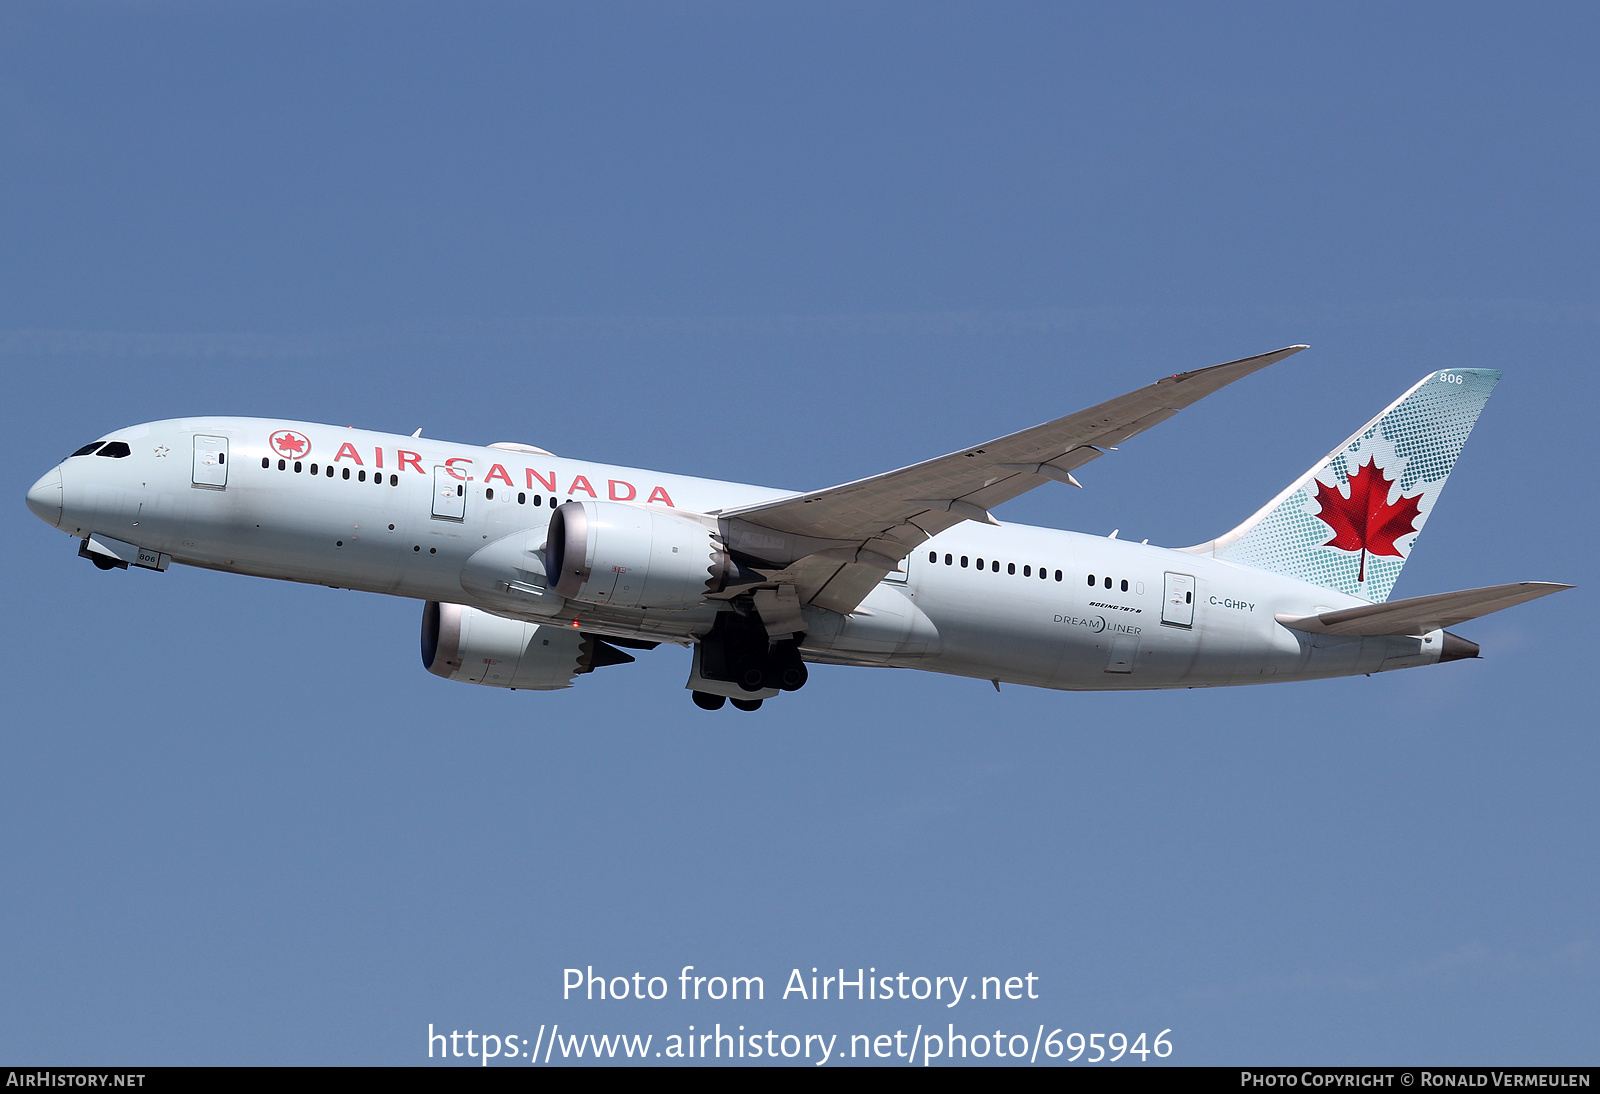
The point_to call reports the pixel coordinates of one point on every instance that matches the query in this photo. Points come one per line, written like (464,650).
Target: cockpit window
(88,448)
(116,450)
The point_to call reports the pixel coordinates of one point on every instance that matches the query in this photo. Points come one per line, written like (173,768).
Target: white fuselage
(403,516)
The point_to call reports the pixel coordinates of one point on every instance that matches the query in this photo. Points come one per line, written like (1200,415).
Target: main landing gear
(737,651)
(737,657)
(706,701)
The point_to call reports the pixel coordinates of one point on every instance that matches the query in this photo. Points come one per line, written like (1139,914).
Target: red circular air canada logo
(289,444)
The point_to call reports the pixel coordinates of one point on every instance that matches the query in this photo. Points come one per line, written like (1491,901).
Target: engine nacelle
(627,556)
(461,643)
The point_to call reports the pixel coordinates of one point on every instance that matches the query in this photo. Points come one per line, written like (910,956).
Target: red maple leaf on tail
(1365,521)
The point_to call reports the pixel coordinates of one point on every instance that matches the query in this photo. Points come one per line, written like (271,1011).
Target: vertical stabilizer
(1350,522)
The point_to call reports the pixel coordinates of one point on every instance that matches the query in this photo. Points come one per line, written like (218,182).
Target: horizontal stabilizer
(1420,614)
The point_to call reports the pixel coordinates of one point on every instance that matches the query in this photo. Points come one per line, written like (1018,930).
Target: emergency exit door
(210,461)
(449,495)
(1177,604)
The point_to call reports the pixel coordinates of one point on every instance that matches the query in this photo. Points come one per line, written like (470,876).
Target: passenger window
(330,471)
(1091,581)
(282,464)
(1124,584)
(1058,575)
(314,469)
(538,499)
(1011,567)
(361,476)
(933,556)
(116,450)
(1108,583)
(980,564)
(298,466)
(1027,571)
(552,503)
(522,499)
(346,471)
(963,562)
(994,567)
(87,449)
(488,493)
(265,463)
(394,480)
(949,560)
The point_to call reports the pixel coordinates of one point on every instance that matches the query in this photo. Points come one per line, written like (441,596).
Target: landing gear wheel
(784,669)
(103,563)
(747,704)
(706,701)
(752,679)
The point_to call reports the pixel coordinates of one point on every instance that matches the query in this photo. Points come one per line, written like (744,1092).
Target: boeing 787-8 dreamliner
(534,569)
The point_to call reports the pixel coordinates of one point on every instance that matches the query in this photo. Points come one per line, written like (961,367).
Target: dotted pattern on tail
(1416,442)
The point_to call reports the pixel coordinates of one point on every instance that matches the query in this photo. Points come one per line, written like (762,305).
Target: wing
(835,545)
(1421,614)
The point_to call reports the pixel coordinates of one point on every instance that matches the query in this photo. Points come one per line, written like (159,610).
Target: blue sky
(795,245)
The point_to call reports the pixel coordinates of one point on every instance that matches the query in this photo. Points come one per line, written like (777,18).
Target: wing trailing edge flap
(838,543)
(1420,614)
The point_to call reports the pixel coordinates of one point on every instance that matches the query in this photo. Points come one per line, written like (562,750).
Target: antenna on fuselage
(418,433)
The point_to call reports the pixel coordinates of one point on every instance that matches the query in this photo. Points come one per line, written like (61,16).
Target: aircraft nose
(44,498)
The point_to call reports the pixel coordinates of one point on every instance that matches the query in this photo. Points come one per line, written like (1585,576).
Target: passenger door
(1177,604)
(210,461)
(449,495)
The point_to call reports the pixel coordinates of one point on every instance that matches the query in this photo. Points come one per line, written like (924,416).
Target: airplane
(534,569)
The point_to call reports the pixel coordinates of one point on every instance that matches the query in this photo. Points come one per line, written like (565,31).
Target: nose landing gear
(104,562)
